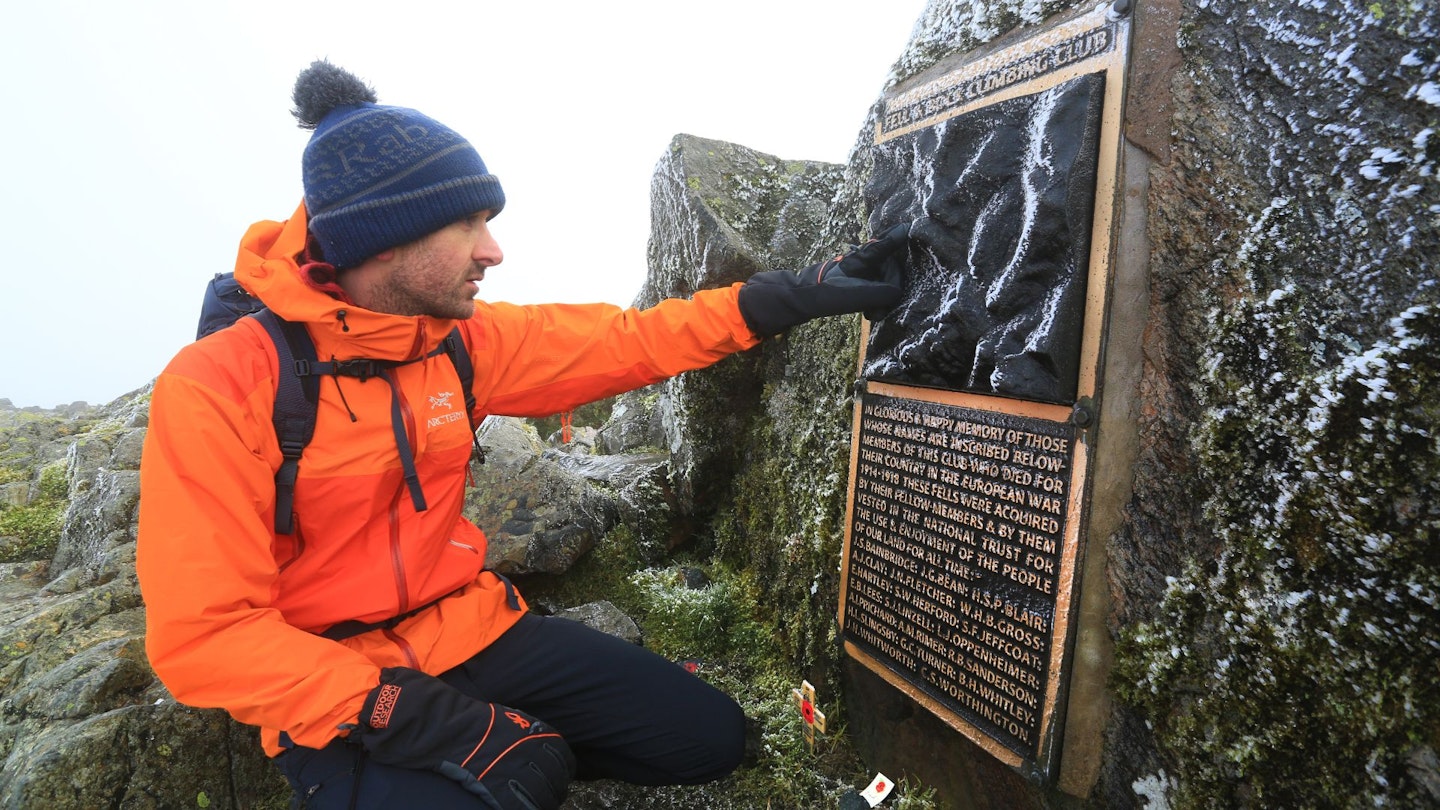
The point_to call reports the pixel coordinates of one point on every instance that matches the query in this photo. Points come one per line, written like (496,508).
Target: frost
(1343,60)
(1155,790)
(1261,232)
(1372,169)
(1429,92)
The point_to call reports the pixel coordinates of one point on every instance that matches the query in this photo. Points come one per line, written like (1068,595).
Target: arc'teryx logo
(439,401)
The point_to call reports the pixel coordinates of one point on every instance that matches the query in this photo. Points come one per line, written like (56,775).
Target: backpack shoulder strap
(297,395)
(454,345)
(455,349)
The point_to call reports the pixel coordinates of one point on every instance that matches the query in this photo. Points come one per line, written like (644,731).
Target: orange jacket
(233,609)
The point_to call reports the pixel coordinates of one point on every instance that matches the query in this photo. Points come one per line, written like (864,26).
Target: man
(384,665)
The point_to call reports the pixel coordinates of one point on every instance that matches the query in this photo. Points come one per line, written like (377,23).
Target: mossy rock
(163,756)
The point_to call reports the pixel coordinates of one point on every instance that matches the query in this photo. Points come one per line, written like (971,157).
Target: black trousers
(627,713)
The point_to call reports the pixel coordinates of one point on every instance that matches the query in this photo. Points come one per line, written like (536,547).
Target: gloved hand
(869,279)
(511,760)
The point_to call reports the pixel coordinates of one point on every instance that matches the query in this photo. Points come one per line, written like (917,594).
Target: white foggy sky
(139,140)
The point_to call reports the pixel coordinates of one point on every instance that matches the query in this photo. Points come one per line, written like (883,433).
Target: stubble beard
(414,288)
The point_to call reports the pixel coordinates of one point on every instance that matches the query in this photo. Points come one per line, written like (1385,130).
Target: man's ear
(385,255)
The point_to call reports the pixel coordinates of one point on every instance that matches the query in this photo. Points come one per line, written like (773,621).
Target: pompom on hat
(377,177)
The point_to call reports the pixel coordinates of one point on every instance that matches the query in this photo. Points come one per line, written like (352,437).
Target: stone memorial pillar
(981,412)
(1143,472)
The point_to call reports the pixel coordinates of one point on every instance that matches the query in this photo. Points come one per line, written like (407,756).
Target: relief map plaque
(971,439)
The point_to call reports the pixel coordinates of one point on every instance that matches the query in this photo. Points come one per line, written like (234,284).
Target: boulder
(606,618)
(83,720)
(1270,583)
(635,424)
(160,755)
(720,213)
(542,509)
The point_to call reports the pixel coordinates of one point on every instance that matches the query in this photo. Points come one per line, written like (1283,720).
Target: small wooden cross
(814,718)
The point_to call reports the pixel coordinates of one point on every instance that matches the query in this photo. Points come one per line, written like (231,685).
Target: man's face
(439,274)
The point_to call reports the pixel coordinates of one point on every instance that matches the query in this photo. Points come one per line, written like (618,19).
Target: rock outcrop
(719,213)
(543,508)
(83,721)
(1273,582)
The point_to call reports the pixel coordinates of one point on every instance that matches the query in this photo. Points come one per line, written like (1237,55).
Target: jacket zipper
(397,556)
(411,659)
(397,561)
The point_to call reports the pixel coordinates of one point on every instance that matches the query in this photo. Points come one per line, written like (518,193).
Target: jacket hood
(268,268)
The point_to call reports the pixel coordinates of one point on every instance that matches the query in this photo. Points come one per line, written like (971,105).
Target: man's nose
(487,251)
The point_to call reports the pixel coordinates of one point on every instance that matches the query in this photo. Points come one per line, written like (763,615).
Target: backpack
(297,394)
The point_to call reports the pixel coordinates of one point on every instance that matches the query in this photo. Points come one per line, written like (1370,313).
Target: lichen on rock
(1309,641)
(1290,658)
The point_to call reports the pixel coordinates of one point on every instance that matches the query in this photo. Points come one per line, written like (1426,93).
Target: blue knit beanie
(377,177)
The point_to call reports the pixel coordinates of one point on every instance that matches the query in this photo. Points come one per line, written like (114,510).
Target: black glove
(869,279)
(509,759)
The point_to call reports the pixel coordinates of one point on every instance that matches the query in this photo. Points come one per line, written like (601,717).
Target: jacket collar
(268,267)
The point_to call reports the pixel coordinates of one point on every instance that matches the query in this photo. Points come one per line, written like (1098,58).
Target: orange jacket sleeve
(207,568)
(540,360)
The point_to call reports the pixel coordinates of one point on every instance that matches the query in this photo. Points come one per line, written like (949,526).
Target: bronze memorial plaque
(972,432)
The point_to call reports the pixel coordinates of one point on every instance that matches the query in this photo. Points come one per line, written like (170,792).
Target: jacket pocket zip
(298,549)
(397,556)
(411,659)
